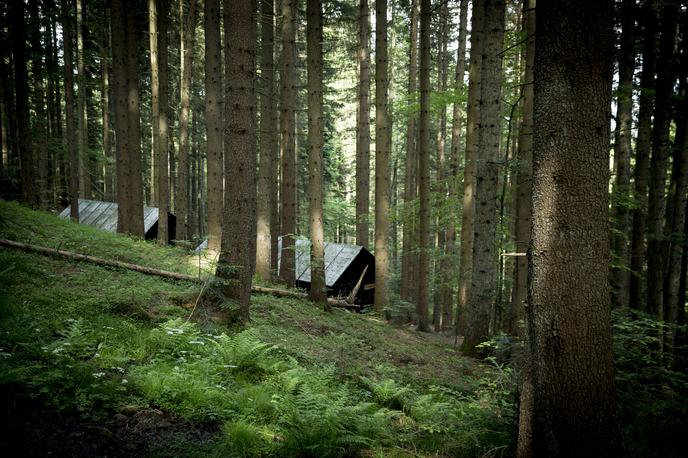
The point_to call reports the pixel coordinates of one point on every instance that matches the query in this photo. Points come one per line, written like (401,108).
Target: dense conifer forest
(404,228)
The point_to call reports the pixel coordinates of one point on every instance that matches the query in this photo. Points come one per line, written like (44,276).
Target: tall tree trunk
(315,151)
(275,221)
(40,133)
(473,120)
(155,91)
(134,156)
(656,244)
(363,126)
(72,149)
(162,161)
(408,259)
(453,188)
(213,119)
(106,46)
(382,153)
(186,47)
(524,209)
(484,278)
(238,250)
(288,126)
(119,75)
(524,176)
(677,210)
(642,158)
(569,305)
(21,87)
(620,276)
(442,275)
(266,181)
(85,188)
(424,171)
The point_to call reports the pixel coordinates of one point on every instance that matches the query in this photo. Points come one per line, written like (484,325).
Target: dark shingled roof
(338,257)
(103,215)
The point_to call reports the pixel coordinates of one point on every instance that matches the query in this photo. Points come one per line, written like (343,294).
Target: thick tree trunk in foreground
(213,119)
(382,153)
(363,127)
(473,120)
(484,278)
(424,170)
(238,251)
(315,150)
(569,304)
(288,126)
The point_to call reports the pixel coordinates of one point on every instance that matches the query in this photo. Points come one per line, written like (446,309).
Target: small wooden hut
(103,215)
(344,266)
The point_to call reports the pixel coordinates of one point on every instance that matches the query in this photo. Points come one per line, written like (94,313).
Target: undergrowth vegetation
(105,344)
(116,348)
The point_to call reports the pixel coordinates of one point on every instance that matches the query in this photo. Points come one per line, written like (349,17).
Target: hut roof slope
(103,215)
(338,256)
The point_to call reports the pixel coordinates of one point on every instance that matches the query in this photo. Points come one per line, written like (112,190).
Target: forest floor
(105,362)
(99,361)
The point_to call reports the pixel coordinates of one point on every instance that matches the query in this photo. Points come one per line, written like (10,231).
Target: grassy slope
(111,351)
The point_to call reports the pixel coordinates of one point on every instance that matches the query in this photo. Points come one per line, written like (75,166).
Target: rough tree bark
(408,257)
(453,188)
(382,153)
(484,278)
(363,127)
(314,37)
(424,171)
(468,212)
(524,175)
(186,42)
(288,126)
(443,276)
(238,250)
(267,142)
(213,119)
(569,305)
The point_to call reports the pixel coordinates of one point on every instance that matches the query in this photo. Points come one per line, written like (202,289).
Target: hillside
(97,361)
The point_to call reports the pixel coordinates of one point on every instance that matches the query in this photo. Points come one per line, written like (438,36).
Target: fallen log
(156,272)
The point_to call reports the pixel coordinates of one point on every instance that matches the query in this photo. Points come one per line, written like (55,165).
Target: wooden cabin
(344,266)
(103,215)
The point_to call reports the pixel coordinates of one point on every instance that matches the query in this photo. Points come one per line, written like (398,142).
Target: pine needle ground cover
(98,361)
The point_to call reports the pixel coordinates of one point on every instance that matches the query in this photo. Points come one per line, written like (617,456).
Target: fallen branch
(156,272)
